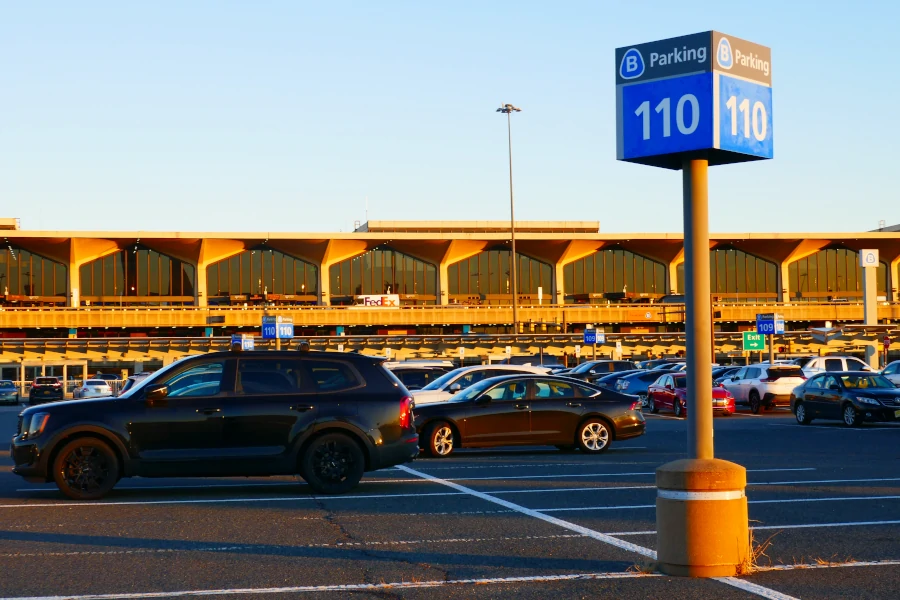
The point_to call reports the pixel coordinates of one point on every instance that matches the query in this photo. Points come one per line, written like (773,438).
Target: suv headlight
(865,400)
(37,425)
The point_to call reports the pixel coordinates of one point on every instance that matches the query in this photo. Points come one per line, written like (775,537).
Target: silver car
(93,388)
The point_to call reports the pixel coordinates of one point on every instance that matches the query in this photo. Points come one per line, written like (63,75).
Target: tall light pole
(508,109)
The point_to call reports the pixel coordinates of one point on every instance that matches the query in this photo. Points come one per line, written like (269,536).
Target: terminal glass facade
(737,276)
(383,271)
(23,273)
(137,275)
(487,276)
(830,274)
(262,271)
(613,270)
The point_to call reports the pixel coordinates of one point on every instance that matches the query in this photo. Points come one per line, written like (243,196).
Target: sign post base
(701,519)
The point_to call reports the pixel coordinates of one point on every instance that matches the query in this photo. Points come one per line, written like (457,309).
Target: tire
(851,416)
(678,411)
(86,469)
(594,436)
(333,464)
(755,403)
(440,440)
(644,400)
(651,405)
(802,414)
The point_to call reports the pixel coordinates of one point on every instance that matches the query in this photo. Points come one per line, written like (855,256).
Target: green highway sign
(754,341)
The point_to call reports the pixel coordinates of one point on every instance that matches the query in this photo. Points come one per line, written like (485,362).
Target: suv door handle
(521,406)
(573,404)
(302,407)
(209,411)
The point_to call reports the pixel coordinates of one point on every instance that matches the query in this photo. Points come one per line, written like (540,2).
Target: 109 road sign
(701,92)
(770,324)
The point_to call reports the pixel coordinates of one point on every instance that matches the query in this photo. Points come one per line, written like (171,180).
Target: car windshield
(46,380)
(442,380)
(7,384)
(154,377)
(862,382)
(95,382)
(473,391)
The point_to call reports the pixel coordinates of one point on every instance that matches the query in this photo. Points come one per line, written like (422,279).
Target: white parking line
(771,527)
(248,547)
(835,427)
(779,501)
(612,541)
(566,475)
(832,565)
(345,588)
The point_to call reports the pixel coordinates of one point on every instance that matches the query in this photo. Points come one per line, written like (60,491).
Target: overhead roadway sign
(705,92)
(754,341)
(769,324)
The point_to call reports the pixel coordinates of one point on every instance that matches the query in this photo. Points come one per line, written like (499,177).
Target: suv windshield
(862,382)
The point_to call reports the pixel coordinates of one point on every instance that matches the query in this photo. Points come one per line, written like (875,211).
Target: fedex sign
(378,301)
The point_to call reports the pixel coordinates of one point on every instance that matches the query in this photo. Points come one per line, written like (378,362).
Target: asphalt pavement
(506,523)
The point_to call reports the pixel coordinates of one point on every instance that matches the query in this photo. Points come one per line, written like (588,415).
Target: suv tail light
(767,380)
(406,412)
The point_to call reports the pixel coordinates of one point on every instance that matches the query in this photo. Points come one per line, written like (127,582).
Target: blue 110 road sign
(705,93)
(278,327)
(770,324)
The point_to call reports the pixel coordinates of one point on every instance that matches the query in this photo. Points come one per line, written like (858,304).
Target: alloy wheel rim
(333,461)
(443,441)
(644,400)
(86,469)
(849,415)
(595,436)
(801,413)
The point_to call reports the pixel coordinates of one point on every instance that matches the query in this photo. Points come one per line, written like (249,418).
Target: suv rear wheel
(333,464)
(86,469)
(755,403)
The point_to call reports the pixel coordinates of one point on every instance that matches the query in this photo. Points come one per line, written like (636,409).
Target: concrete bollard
(701,518)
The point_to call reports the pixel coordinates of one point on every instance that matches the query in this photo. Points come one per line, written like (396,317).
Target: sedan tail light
(406,412)
(635,405)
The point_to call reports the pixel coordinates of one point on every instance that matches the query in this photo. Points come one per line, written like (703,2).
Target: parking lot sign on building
(277,327)
(753,341)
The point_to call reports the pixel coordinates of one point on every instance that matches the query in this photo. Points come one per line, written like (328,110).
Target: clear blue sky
(284,116)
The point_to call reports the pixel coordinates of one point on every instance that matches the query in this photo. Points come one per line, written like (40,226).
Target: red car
(670,391)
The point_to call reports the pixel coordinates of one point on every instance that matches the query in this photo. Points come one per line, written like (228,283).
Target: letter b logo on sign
(723,54)
(632,64)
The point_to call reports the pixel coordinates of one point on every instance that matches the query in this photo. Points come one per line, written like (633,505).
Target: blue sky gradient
(285,116)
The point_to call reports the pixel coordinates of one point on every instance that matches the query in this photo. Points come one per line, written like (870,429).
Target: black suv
(45,389)
(324,416)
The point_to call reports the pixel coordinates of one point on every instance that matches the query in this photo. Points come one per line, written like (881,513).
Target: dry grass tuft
(646,567)
(757,553)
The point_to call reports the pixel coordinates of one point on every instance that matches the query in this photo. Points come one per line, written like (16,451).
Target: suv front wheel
(86,469)
(333,464)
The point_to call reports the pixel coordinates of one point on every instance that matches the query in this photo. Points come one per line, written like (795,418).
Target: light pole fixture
(508,109)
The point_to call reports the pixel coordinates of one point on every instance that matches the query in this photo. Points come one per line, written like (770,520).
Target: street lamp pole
(508,109)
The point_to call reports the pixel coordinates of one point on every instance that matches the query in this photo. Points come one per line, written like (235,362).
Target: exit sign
(754,341)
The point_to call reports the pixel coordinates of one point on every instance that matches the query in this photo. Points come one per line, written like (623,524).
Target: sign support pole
(771,349)
(698,315)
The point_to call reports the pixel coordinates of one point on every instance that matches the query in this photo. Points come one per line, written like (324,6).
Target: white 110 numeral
(665,107)
(759,117)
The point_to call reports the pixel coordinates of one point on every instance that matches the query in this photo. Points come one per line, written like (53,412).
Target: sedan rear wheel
(440,440)
(594,436)
(802,415)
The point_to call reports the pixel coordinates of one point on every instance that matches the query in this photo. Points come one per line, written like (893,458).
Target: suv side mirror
(155,392)
(455,388)
(734,378)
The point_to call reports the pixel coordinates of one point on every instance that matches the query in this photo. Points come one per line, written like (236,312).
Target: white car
(443,388)
(93,388)
(821,364)
(892,372)
(134,381)
(764,386)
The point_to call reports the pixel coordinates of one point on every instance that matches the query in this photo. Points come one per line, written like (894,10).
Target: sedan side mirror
(734,378)
(155,393)
(482,400)
(834,388)
(455,388)
(668,386)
